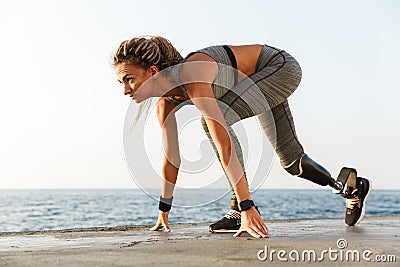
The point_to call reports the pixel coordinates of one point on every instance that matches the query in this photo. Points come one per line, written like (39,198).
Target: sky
(62,111)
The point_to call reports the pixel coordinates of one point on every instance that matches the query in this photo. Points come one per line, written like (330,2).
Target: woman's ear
(153,70)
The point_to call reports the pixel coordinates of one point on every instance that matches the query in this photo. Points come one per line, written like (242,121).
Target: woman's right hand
(162,222)
(252,223)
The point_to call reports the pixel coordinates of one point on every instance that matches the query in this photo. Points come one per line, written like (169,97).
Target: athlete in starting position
(145,67)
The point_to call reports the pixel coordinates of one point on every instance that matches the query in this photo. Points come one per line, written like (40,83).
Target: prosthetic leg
(308,169)
(348,185)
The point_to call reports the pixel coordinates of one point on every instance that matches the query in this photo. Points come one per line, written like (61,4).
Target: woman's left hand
(162,222)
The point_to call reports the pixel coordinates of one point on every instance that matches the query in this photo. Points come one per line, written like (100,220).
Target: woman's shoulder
(214,52)
(203,54)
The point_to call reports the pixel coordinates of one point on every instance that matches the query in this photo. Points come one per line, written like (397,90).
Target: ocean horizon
(54,209)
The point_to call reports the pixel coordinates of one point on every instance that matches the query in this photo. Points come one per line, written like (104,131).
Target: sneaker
(355,201)
(230,223)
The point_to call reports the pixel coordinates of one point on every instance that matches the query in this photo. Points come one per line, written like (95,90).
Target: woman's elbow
(225,152)
(172,160)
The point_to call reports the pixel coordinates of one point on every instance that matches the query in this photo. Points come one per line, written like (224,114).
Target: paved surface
(291,242)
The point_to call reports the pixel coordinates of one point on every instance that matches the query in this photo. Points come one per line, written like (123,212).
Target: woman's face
(132,77)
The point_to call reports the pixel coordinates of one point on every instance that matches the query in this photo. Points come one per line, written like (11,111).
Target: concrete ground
(375,242)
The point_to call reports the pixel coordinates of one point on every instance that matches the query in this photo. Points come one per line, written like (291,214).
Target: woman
(147,67)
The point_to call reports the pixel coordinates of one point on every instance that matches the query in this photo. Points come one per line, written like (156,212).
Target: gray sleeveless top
(225,79)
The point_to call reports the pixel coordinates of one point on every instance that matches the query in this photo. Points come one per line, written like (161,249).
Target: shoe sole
(221,231)
(365,199)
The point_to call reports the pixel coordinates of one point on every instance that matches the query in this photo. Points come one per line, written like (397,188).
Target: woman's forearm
(235,174)
(170,174)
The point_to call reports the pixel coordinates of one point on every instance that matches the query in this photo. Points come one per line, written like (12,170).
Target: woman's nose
(127,89)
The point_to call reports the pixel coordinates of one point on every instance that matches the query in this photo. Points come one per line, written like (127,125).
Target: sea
(36,210)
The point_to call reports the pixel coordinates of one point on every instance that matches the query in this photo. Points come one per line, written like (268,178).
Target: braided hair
(145,52)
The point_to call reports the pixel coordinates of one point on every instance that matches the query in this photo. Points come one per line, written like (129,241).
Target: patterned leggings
(277,76)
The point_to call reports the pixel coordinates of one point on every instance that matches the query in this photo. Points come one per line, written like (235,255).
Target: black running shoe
(230,223)
(355,201)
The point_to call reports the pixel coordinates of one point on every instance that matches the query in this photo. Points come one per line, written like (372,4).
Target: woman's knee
(294,69)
